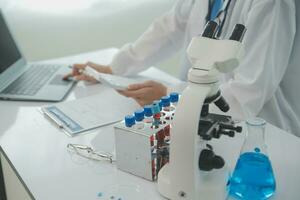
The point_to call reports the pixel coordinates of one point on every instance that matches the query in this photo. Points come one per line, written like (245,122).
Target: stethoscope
(222,15)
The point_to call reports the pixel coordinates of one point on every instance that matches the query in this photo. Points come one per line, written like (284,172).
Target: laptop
(11,184)
(20,80)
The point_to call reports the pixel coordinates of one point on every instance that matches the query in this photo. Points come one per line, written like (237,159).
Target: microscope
(195,172)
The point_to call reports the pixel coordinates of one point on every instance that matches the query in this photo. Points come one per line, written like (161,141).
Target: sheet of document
(105,108)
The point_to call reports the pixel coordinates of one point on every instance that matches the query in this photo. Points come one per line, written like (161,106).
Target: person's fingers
(121,92)
(77,68)
(83,77)
(80,77)
(75,71)
(80,66)
(132,93)
(150,83)
(93,65)
(138,86)
(67,76)
(100,68)
(125,93)
(142,102)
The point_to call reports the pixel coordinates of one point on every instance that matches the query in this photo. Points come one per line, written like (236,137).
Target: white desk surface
(38,151)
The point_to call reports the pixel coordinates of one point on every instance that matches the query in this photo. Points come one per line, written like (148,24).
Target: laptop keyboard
(31,81)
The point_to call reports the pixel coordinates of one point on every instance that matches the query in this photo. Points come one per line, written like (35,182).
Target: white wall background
(54,28)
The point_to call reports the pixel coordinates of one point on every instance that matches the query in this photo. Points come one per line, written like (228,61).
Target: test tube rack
(143,152)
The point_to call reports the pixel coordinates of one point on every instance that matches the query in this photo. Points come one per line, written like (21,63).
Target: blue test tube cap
(155,108)
(159,104)
(174,97)
(165,101)
(139,115)
(148,110)
(129,120)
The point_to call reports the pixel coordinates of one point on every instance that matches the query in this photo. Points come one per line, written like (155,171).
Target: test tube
(160,106)
(148,114)
(139,117)
(156,115)
(165,102)
(174,97)
(167,132)
(129,121)
(160,137)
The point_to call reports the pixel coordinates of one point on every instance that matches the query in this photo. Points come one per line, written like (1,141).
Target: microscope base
(163,181)
(213,185)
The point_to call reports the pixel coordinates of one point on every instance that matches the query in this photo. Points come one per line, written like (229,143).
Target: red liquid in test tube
(167,131)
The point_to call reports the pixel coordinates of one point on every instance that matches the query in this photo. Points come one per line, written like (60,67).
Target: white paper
(102,109)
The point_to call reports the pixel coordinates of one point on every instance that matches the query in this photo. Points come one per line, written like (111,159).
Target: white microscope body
(182,178)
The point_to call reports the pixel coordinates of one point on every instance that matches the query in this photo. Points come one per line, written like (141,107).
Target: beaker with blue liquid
(253,177)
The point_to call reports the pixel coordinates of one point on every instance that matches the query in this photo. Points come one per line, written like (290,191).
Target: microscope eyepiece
(238,32)
(210,29)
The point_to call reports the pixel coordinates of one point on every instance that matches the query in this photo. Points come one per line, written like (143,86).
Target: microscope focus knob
(219,162)
(209,161)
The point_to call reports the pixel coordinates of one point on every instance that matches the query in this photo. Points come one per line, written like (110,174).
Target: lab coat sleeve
(164,37)
(268,45)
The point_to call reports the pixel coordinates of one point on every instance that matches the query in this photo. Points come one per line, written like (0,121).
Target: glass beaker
(253,177)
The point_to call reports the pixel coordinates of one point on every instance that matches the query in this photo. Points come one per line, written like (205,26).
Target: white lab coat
(254,88)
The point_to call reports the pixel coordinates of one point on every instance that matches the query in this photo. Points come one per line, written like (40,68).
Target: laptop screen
(9,53)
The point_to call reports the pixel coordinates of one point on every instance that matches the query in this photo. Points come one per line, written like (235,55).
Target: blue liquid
(253,178)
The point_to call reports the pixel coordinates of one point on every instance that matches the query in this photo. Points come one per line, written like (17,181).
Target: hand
(77,74)
(146,92)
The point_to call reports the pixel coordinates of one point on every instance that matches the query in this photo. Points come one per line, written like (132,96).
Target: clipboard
(62,120)
(78,116)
